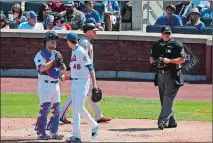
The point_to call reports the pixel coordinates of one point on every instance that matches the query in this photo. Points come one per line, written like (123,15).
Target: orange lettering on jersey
(73,58)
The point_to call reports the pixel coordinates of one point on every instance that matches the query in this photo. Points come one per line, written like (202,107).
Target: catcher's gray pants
(94,106)
(168,91)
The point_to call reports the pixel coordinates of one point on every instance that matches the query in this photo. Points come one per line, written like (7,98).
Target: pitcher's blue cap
(72,37)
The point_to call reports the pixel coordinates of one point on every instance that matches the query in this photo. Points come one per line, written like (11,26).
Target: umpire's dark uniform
(168,78)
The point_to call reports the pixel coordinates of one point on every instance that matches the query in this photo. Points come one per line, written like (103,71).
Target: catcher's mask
(50,35)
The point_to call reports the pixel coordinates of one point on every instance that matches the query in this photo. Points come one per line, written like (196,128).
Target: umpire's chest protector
(170,49)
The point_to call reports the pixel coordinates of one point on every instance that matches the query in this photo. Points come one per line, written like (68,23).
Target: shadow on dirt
(133,129)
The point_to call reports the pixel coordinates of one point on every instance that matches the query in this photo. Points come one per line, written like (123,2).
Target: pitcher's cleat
(95,132)
(104,119)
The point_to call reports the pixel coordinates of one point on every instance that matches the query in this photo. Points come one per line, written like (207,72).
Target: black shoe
(172,126)
(161,126)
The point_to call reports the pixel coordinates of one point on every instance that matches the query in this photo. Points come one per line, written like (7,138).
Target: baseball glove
(59,62)
(96,95)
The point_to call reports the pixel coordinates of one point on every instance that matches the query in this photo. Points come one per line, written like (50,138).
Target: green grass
(27,105)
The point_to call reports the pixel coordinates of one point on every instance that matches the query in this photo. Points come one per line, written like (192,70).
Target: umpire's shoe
(73,139)
(161,126)
(65,121)
(172,126)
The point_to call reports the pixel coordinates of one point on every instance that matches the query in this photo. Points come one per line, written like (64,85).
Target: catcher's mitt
(96,95)
(59,62)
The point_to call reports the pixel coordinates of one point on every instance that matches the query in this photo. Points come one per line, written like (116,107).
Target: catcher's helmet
(50,35)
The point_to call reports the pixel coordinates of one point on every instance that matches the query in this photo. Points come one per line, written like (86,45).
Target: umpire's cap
(166,29)
(50,35)
(72,37)
(89,26)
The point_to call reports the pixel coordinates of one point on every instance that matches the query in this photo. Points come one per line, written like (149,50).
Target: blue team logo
(73,58)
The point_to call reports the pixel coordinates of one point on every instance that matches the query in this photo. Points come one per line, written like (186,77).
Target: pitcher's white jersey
(79,61)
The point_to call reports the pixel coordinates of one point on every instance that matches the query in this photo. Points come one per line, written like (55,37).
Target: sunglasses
(16,11)
(46,9)
(167,33)
(58,22)
(2,20)
(67,7)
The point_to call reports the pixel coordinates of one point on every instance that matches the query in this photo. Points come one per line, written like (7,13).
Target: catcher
(49,63)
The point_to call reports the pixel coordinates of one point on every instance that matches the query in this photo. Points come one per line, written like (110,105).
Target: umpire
(167,55)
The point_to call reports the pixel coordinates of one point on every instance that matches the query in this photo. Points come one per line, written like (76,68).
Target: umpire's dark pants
(168,91)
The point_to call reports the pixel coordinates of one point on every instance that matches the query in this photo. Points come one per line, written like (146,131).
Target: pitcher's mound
(118,130)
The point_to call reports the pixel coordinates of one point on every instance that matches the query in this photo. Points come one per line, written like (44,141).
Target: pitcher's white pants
(94,106)
(79,91)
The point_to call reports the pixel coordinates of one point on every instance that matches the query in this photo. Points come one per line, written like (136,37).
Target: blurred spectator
(17,14)
(3,22)
(56,6)
(201,4)
(73,16)
(58,24)
(111,8)
(43,16)
(183,8)
(31,22)
(194,19)
(92,13)
(170,18)
(127,12)
(207,12)
(92,20)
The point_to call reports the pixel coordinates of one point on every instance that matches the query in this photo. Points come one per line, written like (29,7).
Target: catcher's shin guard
(42,119)
(54,120)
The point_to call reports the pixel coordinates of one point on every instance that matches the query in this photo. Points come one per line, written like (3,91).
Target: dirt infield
(114,88)
(118,130)
(115,131)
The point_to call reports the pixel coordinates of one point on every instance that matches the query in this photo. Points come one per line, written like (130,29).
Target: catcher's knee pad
(54,120)
(42,119)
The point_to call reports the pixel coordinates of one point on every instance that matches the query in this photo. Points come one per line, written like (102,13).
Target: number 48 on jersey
(77,66)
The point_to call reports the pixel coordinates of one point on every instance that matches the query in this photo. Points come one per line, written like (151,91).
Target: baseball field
(133,105)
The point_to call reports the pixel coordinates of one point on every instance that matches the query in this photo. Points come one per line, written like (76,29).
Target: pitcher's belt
(74,78)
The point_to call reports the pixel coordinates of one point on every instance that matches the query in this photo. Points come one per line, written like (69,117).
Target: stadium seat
(154,28)
(184,29)
(33,5)
(206,30)
(206,21)
(12,24)
(6,6)
(184,20)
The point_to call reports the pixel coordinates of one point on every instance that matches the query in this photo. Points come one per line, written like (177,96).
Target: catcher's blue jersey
(42,57)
